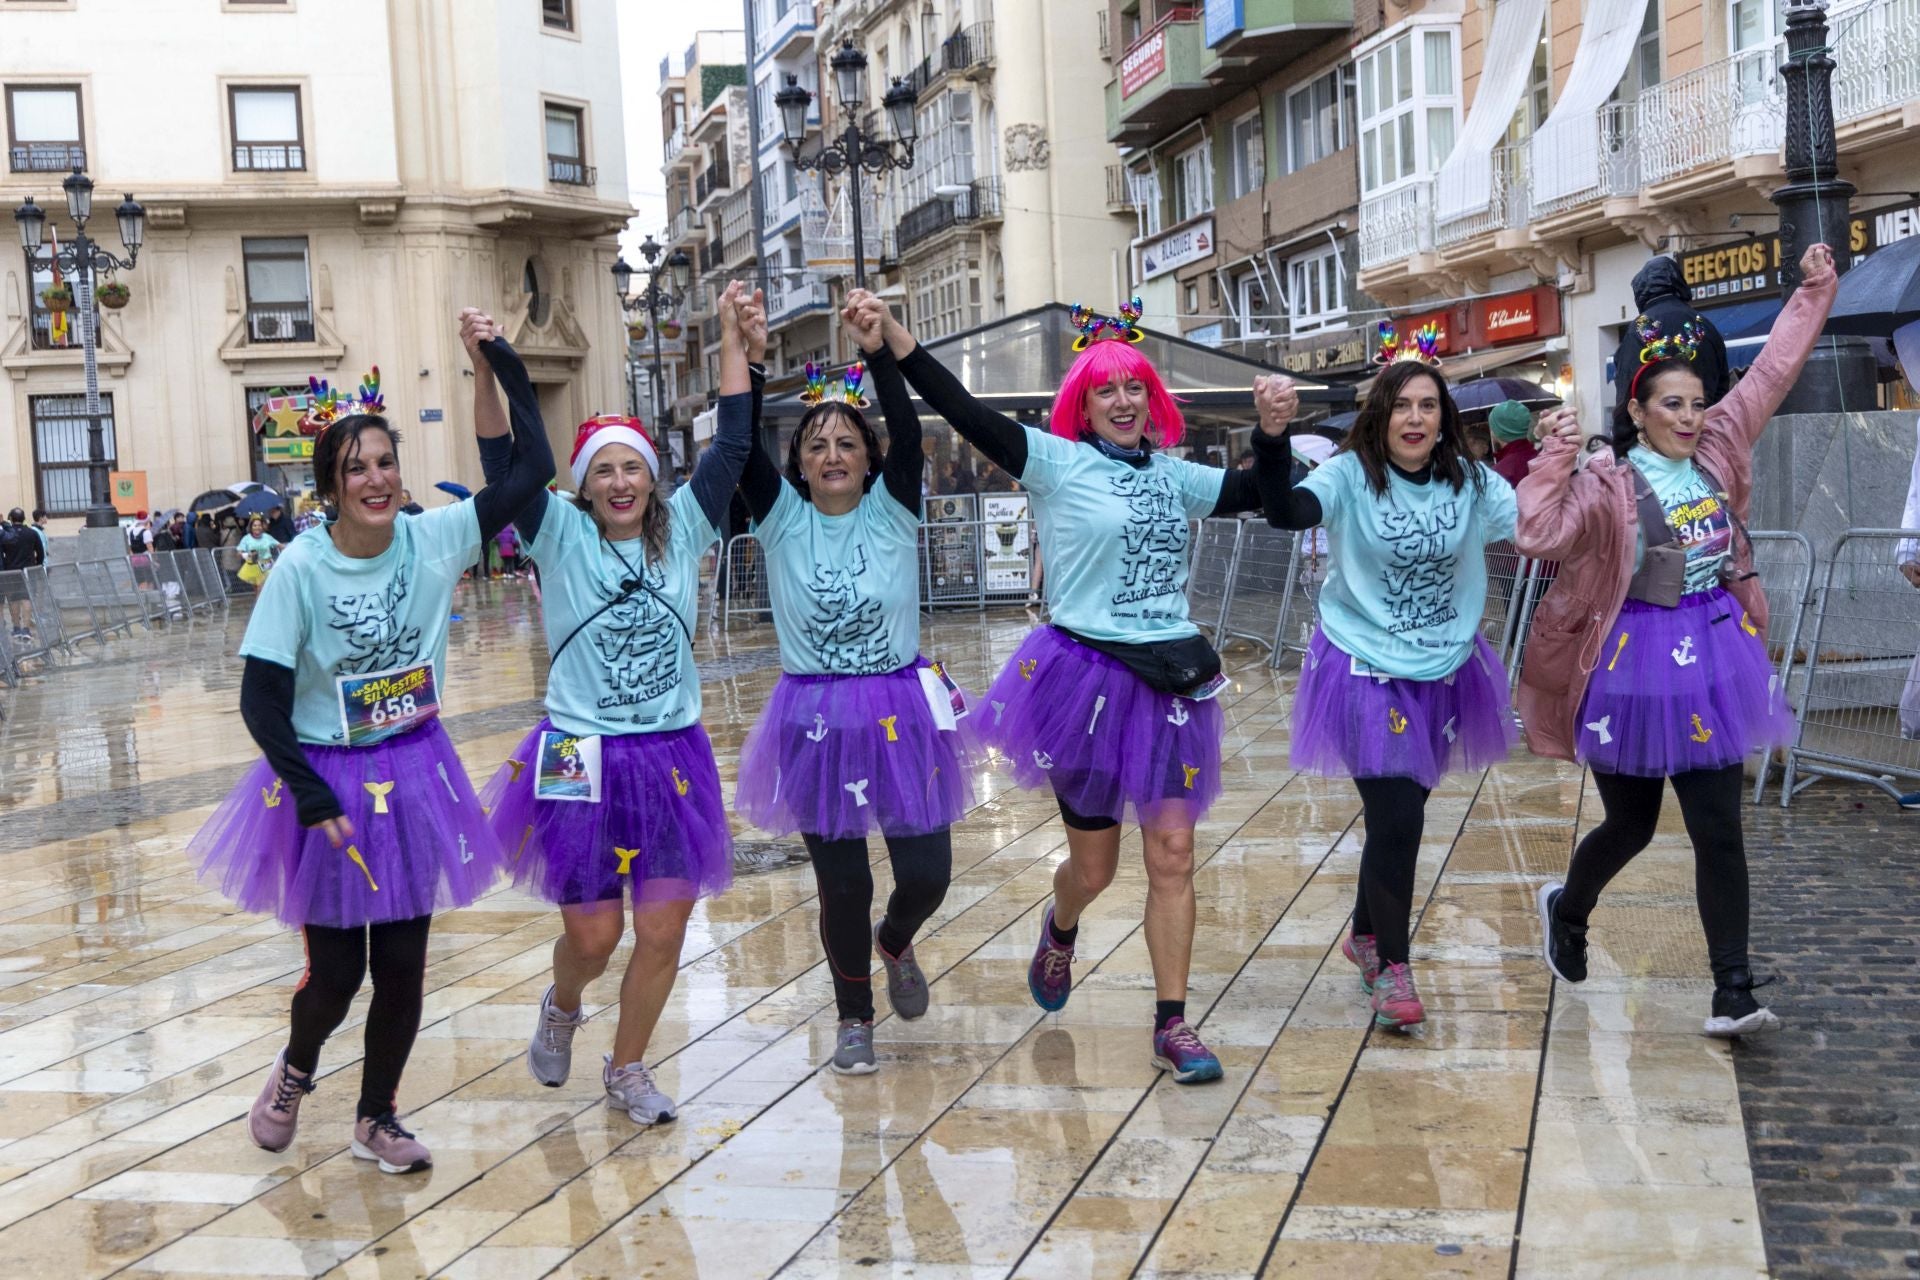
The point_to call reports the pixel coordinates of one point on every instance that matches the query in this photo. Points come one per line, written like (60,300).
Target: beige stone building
(325,181)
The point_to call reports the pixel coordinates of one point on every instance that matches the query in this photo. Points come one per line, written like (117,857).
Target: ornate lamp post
(657,301)
(1814,209)
(81,257)
(858,148)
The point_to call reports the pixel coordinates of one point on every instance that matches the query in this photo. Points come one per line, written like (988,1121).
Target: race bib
(1210,689)
(568,767)
(386,704)
(944,699)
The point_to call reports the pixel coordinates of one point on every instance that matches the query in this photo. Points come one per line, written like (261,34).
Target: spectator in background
(40,527)
(1511,427)
(1246,460)
(1906,350)
(20,549)
(203,531)
(167,536)
(1661,293)
(408,506)
(280,525)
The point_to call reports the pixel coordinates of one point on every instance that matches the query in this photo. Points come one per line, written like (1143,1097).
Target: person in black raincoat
(1661,292)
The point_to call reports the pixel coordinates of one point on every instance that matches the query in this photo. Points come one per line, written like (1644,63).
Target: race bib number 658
(386,704)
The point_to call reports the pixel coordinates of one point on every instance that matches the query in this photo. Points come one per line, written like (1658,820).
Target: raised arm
(516,467)
(1795,331)
(1550,524)
(1286,507)
(1002,440)
(719,468)
(866,317)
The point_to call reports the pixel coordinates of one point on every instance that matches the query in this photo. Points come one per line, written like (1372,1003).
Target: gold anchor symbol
(1618,649)
(1190,770)
(886,722)
(626,860)
(1746,625)
(1700,732)
(378,790)
(518,767)
(1026,667)
(360,862)
(1396,721)
(272,798)
(680,784)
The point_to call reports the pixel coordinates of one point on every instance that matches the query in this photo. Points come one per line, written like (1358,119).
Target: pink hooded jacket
(1588,522)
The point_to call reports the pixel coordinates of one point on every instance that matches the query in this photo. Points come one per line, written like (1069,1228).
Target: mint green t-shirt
(1407,576)
(630,669)
(324,615)
(263,548)
(1114,537)
(1695,513)
(845,589)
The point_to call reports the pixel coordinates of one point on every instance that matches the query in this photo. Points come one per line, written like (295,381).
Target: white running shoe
(632,1089)
(550,1052)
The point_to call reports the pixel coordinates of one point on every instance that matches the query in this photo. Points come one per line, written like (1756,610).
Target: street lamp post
(657,301)
(858,148)
(81,257)
(1814,209)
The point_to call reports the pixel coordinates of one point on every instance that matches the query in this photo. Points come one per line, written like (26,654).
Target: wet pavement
(1529,1128)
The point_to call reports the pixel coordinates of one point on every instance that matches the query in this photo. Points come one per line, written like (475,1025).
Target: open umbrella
(259,503)
(459,491)
(1873,303)
(1477,397)
(1337,425)
(213,500)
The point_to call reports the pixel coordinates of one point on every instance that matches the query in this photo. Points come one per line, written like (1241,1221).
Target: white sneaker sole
(857,1069)
(1760,1020)
(361,1152)
(642,1116)
(1546,929)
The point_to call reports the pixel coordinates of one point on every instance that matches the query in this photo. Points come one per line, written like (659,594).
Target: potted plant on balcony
(57,298)
(637,330)
(670,329)
(113,295)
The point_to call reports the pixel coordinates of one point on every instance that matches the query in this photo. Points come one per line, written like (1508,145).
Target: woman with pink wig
(1111,706)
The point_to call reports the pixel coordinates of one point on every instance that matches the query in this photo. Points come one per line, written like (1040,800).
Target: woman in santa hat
(615,793)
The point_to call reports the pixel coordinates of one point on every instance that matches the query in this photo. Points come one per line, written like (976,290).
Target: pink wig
(1115,361)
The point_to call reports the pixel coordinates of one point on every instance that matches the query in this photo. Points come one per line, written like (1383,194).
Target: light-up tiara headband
(1094,327)
(847,393)
(1655,346)
(1425,348)
(325,405)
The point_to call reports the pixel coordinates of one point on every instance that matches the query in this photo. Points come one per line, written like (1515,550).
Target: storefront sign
(1890,226)
(1446,321)
(1208,335)
(1750,268)
(1225,18)
(129,490)
(1142,63)
(1189,244)
(1515,317)
(1341,351)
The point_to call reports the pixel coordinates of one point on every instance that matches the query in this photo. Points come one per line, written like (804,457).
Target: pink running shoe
(276,1112)
(381,1138)
(1050,976)
(1179,1050)
(1365,954)
(1395,1003)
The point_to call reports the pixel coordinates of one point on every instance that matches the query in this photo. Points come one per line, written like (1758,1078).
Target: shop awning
(1465,182)
(1566,147)
(1474,363)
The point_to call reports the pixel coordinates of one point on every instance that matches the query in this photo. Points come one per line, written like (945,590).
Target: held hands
(338,830)
(865,317)
(476,327)
(1277,400)
(1816,266)
(1557,424)
(729,310)
(753,327)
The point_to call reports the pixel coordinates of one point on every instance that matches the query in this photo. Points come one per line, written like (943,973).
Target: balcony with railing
(792,27)
(279,322)
(969,52)
(686,228)
(1509,207)
(1121,197)
(980,202)
(276,157)
(792,297)
(570,171)
(1396,225)
(713,180)
(677,148)
(1876,51)
(1720,112)
(46,157)
(1601,163)
(1161,85)
(41,331)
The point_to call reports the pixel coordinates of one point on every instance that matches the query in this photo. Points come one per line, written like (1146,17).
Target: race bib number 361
(385,704)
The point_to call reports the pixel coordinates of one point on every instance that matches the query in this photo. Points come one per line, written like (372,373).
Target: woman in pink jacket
(1648,658)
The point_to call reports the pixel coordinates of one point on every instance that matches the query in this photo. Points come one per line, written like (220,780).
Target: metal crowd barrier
(1785,562)
(68,604)
(1210,573)
(742,584)
(1859,716)
(1258,593)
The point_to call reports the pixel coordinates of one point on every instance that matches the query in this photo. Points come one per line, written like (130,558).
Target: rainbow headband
(1656,346)
(847,393)
(1425,348)
(325,405)
(1095,327)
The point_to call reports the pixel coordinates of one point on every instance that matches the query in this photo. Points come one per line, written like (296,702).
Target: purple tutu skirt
(1108,744)
(1683,688)
(1360,726)
(840,756)
(420,840)
(658,832)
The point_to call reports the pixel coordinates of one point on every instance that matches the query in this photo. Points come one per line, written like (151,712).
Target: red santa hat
(597,433)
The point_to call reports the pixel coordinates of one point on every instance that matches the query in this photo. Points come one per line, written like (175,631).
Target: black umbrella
(259,503)
(213,500)
(1874,302)
(1335,425)
(1476,398)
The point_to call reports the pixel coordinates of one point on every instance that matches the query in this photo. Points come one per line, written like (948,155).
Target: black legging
(1710,804)
(1395,811)
(337,961)
(922,869)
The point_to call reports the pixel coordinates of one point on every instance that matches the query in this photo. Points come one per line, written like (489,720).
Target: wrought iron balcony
(929,218)
(278,157)
(46,157)
(1397,224)
(570,171)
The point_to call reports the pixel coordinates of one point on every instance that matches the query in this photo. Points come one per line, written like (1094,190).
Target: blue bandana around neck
(1135,458)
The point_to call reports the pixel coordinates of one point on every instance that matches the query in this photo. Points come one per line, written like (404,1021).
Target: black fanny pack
(1168,666)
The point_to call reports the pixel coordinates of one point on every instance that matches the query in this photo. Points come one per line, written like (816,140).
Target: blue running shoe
(1050,976)
(1177,1049)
